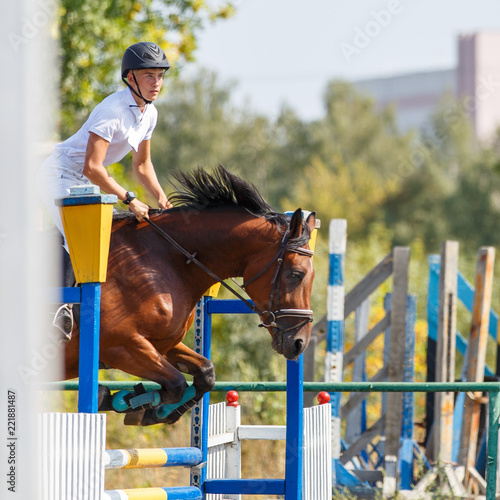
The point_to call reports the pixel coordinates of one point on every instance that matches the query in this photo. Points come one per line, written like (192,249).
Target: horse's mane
(201,190)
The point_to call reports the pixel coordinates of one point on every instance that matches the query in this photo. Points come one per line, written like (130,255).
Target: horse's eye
(296,275)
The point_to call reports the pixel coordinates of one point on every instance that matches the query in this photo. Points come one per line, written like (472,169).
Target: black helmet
(143,55)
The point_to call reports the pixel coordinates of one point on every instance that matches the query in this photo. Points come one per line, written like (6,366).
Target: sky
(285,51)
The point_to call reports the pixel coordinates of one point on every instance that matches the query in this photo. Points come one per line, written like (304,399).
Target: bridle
(269,318)
(274,316)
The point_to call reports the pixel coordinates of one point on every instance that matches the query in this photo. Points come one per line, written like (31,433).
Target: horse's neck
(228,239)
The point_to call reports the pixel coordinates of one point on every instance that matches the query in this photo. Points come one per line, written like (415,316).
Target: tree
(451,190)
(95,33)
(355,155)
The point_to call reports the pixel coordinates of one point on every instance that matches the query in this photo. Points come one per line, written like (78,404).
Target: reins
(278,258)
(192,258)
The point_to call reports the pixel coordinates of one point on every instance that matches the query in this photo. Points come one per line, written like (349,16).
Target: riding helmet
(143,55)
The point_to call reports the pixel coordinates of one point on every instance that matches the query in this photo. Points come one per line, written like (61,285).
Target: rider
(121,123)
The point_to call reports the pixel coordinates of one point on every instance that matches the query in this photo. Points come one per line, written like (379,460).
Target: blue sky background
(287,50)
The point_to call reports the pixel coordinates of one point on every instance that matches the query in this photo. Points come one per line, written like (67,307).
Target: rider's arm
(95,171)
(143,168)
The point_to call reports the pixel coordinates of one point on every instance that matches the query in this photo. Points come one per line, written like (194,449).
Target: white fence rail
(226,435)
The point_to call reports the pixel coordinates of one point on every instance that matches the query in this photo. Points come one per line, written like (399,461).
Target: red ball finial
(323,397)
(232,398)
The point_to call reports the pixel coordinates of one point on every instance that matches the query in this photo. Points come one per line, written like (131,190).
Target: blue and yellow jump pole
(87,216)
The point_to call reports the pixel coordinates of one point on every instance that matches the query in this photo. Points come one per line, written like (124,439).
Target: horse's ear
(311,222)
(296,224)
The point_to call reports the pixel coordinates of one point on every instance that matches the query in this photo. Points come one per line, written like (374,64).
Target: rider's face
(149,81)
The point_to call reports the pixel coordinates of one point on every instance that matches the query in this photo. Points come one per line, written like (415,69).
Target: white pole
(334,359)
(27,111)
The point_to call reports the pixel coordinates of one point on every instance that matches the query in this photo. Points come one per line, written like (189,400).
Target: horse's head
(279,280)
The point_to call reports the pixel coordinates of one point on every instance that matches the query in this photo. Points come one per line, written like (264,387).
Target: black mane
(201,190)
(221,188)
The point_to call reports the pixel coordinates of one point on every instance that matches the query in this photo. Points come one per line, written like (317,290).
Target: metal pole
(89,347)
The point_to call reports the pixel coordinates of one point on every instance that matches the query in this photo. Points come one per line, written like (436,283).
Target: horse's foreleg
(187,361)
(144,361)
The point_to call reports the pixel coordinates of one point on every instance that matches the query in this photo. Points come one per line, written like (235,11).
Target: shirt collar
(130,102)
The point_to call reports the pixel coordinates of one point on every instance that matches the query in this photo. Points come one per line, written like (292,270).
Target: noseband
(268,317)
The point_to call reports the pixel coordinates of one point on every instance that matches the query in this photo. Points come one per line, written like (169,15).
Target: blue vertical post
(199,414)
(207,353)
(432,322)
(335,333)
(407,433)
(294,429)
(89,347)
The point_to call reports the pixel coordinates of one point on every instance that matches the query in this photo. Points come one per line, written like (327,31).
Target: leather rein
(269,318)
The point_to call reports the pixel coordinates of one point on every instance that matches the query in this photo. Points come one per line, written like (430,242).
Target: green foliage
(450,189)
(95,33)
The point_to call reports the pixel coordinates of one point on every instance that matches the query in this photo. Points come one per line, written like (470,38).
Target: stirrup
(63,321)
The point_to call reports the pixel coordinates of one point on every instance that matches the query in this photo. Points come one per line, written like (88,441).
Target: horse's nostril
(299,343)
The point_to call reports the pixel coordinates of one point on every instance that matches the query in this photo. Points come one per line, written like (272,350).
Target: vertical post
(387,342)
(335,335)
(393,418)
(445,353)
(294,429)
(408,397)
(432,324)
(199,414)
(233,450)
(310,367)
(355,425)
(492,460)
(89,348)
(476,357)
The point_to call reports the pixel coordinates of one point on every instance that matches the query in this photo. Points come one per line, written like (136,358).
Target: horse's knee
(206,381)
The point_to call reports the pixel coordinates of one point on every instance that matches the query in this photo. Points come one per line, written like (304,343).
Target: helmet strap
(137,92)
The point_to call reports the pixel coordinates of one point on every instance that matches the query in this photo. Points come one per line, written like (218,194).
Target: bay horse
(152,288)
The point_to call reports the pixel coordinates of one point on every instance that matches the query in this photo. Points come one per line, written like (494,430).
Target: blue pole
(406,457)
(294,429)
(199,413)
(90,315)
(205,402)
(432,325)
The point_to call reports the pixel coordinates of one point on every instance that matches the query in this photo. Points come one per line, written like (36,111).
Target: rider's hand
(139,209)
(163,203)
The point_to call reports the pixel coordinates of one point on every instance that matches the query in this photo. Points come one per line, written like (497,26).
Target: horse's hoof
(148,417)
(134,418)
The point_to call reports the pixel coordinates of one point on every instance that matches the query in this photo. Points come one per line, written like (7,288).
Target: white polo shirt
(118,120)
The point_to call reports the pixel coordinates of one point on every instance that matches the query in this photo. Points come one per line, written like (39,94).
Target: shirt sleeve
(103,123)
